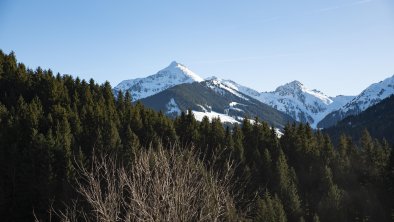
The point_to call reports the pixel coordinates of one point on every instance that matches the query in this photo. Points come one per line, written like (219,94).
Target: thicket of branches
(160,185)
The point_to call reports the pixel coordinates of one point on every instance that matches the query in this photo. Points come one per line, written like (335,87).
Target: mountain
(367,98)
(301,103)
(213,99)
(377,119)
(235,86)
(294,99)
(176,88)
(172,75)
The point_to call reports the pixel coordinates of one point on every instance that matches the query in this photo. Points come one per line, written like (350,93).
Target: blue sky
(336,46)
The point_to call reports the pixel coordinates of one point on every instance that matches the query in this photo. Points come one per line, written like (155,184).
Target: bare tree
(161,185)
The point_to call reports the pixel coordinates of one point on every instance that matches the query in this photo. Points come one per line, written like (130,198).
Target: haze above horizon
(336,46)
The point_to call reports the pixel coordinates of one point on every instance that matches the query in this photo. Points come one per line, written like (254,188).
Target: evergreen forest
(56,130)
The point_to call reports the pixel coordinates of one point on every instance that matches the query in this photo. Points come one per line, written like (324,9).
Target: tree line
(50,124)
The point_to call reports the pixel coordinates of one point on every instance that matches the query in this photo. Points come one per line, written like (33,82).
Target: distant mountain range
(176,88)
(294,99)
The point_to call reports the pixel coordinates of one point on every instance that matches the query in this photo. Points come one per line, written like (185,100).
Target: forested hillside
(52,124)
(378,119)
(199,96)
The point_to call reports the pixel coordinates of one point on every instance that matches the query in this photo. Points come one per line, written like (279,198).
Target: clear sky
(336,46)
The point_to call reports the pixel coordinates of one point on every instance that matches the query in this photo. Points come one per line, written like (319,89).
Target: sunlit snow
(224,118)
(172,107)
(173,75)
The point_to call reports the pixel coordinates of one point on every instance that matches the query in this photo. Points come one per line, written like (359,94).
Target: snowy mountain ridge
(293,98)
(303,104)
(371,95)
(367,98)
(170,76)
(219,85)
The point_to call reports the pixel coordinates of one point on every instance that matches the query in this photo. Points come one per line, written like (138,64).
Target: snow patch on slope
(233,105)
(173,108)
(224,118)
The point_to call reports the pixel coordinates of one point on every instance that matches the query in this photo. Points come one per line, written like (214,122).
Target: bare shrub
(160,185)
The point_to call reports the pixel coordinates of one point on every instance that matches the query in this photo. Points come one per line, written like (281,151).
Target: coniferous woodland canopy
(55,129)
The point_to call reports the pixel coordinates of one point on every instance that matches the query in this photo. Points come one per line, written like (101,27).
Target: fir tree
(270,209)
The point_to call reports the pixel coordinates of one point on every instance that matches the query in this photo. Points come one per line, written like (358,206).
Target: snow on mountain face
(173,108)
(294,99)
(174,74)
(311,106)
(301,103)
(243,89)
(369,97)
(340,101)
(218,85)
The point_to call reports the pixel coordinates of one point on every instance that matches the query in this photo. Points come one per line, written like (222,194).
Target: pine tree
(186,128)
(62,153)
(216,140)
(328,153)
(270,209)
(135,118)
(204,134)
(331,205)
(389,185)
(131,146)
(266,172)
(238,144)
(228,139)
(287,188)
(120,106)
(375,156)
(366,142)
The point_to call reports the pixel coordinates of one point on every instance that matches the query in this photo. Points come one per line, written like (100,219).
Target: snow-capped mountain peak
(294,86)
(371,95)
(293,98)
(303,104)
(367,98)
(172,75)
(299,91)
(180,69)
